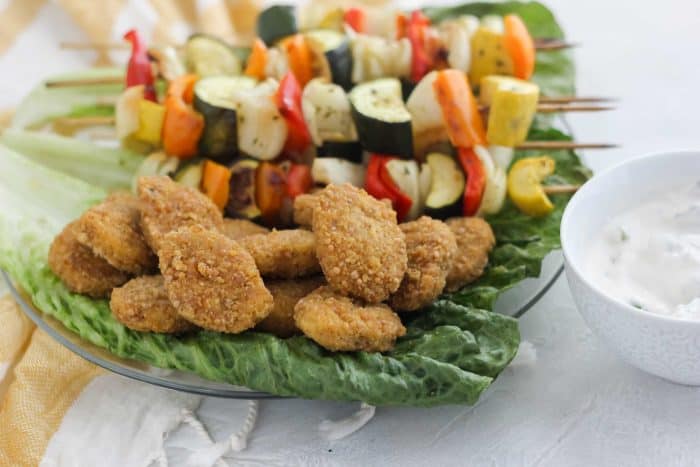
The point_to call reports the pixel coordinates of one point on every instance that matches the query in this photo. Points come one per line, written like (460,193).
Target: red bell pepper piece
(288,100)
(401,26)
(416,32)
(299,180)
(356,19)
(476,180)
(139,69)
(378,183)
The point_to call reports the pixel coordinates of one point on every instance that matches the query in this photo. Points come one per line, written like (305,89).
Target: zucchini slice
(349,150)
(276,22)
(446,187)
(207,55)
(336,49)
(191,174)
(383,123)
(214,99)
(241,198)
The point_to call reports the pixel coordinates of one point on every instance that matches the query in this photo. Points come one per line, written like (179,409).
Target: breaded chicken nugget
(431,247)
(167,206)
(79,268)
(212,281)
(142,304)
(286,294)
(112,231)
(235,229)
(283,254)
(360,246)
(340,323)
(475,240)
(304,206)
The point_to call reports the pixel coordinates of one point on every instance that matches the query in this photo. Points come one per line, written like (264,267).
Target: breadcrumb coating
(142,304)
(112,231)
(359,244)
(283,254)
(475,240)
(79,268)
(212,281)
(286,294)
(235,229)
(431,247)
(167,206)
(339,323)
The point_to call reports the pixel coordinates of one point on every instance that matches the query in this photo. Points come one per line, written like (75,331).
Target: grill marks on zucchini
(383,123)
(214,98)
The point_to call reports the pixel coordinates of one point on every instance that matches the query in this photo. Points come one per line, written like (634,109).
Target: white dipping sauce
(649,256)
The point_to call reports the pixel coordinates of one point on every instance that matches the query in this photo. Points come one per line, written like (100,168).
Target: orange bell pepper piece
(300,58)
(257,60)
(459,109)
(215,182)
(520,46)
(182,125)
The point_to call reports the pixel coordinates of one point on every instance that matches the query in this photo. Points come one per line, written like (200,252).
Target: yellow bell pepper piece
(489,55)
(525,185)
(512,105)
(151,117)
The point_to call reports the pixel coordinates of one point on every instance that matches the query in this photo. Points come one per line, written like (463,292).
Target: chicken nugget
(112,231)
(236,229)
(340,323)
(286,294)
(283,254)
(431,247)
(79,268)
(212,281)
(142,304)
(359,245)
(475,240)
(167,206)
(304,206)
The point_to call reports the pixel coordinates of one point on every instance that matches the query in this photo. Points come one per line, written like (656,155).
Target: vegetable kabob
(260,137)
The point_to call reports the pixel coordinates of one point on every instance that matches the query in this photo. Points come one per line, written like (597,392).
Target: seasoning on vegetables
(488,53)
(139,70)
(525,185)
(512,106)
(182,126)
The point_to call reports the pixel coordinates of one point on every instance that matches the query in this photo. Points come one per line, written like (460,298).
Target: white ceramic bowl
(664,346)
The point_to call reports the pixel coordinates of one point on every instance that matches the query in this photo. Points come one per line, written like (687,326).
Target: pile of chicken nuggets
(170,263)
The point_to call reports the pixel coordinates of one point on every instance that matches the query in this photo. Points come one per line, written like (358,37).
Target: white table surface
(579,404)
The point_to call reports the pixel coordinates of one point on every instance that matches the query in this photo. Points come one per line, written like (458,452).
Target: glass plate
(515,302)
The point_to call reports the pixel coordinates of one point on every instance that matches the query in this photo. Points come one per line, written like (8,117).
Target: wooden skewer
(86,121)
(553,44)
(555,108)
(572,99)
(67,83)
(545,145)
(560,189)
